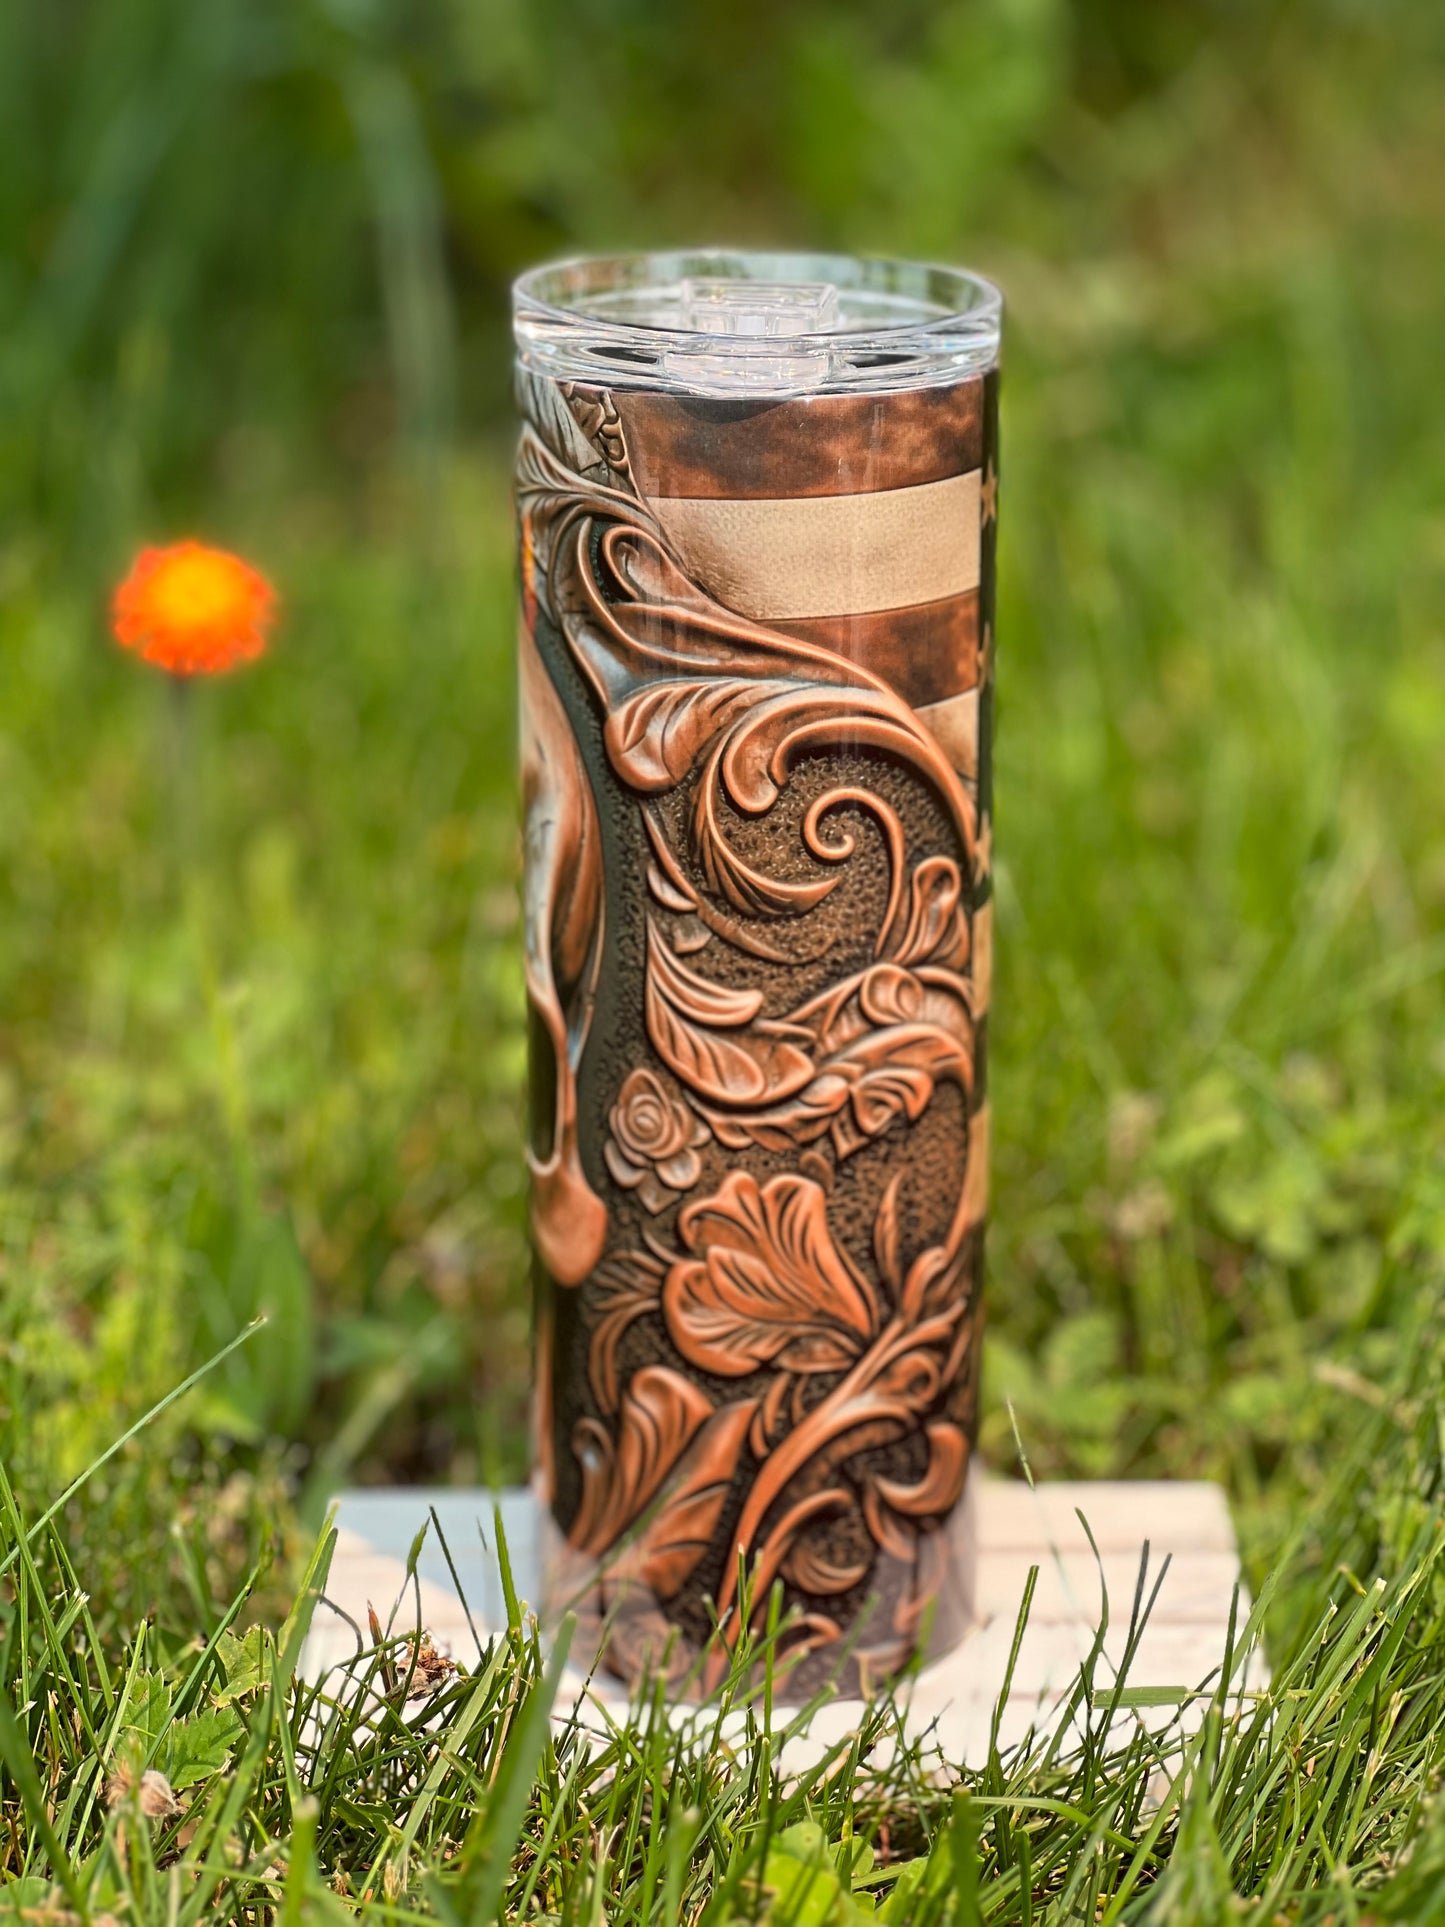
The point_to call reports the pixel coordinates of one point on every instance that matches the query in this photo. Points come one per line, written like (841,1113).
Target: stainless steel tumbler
(757,508)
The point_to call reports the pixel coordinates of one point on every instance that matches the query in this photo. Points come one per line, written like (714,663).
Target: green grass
(260,1039)
(283,1801)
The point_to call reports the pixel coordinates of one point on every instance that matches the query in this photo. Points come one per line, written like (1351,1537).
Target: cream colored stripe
(830,555)
(954,724)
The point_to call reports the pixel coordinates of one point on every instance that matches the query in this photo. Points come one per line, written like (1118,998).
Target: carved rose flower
(653,1146)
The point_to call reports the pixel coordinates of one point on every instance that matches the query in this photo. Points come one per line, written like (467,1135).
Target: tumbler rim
(619,319)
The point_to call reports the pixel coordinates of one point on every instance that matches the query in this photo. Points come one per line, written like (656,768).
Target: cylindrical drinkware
(757,508)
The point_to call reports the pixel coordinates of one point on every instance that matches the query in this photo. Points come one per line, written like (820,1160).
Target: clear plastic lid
(714,322)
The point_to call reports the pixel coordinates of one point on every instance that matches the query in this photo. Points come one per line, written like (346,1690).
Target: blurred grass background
(253,268)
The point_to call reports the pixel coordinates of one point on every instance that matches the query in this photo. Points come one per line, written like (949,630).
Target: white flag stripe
(830,555)
(955,725)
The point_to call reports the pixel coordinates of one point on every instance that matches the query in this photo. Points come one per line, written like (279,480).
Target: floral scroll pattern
(776,1384)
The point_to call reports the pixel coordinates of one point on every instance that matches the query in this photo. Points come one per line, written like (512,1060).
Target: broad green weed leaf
(243,1662)
(148,1715)
(201,1746)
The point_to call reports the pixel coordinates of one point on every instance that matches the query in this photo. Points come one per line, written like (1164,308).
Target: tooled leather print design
(758,1157)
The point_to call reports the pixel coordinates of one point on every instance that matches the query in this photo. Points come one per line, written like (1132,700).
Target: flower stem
(185,769)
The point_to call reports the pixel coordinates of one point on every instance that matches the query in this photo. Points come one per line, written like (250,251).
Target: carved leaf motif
(767,1283)
(890,995)
(692,996)
(936,1278)
(661,1413)
(926,995)
(686,1013)
(669,894)
(787,1126)
(936,931)
(891,1507)
(655,739)
(877,1077)
(885,1235)
(623,1288)
(883,1039)
(809,1567)
(911,1381)
(670,1442)
(673,1541)
(745,886)
(896,1072)
(718,1067)
(942,1483)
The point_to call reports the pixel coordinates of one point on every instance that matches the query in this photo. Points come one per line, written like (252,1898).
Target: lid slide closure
(753,310)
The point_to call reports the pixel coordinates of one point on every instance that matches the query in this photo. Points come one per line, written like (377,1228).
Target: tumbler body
(756,668)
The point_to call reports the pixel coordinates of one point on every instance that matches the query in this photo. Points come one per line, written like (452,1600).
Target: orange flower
(193,610)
